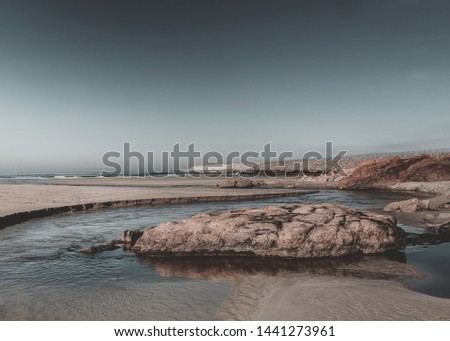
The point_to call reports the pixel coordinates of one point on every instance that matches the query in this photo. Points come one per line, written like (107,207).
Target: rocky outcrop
(331,179)
(438,222)
(435,215)
(328,180)
(379,173)
(296,231)
(415,204)
(237,183)
(411,205)
(241,183)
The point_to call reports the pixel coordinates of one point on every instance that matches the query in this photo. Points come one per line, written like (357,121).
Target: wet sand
(316,298)
(343,288)
(22,202)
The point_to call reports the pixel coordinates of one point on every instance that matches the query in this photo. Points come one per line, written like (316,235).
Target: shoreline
(21,215)
(24,202)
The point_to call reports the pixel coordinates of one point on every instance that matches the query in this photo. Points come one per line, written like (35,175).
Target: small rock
(444,228)
(391,207)
(112,245)
(129,237)
(237,183)
(437,219)
(410,205)
(438,223)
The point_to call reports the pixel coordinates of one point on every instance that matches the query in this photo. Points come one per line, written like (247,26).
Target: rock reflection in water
(384,266)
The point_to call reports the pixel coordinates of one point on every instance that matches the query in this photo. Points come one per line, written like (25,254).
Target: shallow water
(44,276)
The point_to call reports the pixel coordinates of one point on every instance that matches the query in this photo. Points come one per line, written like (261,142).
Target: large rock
(300,231)
(379,173)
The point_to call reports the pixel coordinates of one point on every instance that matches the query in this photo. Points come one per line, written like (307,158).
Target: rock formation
(379,173)
(411,205)
(244,183)
(439,223)
(297,231)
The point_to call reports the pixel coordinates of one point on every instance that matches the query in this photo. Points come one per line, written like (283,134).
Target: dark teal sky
(79,78)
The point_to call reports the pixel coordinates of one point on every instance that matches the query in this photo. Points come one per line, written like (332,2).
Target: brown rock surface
(298,231)
(410,205)
(379,173)
(415,204)
(438,223)
(237,183)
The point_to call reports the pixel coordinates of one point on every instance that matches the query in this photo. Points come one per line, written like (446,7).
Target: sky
(80,78)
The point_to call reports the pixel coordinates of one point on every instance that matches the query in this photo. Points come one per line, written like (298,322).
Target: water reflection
(387,266)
